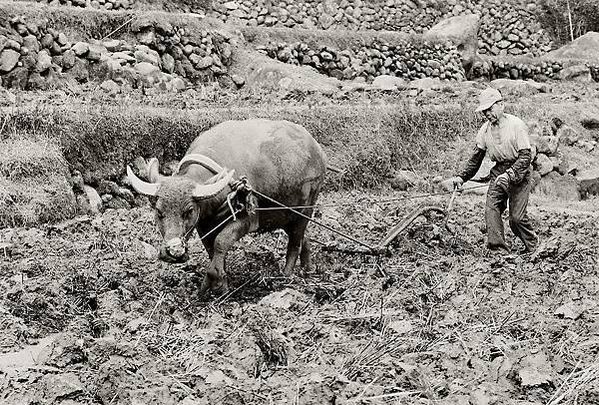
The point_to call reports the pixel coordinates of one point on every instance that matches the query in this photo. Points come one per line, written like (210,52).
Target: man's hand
(503,181)
(453,183)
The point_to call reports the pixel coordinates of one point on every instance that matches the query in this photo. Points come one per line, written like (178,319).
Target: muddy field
(89,316)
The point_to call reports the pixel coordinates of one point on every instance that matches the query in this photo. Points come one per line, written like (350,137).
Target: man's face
(494,113)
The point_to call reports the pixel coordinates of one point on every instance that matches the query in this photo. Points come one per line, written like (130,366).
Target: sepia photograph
(301,202)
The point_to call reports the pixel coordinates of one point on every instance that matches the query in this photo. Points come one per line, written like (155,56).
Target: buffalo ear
(205,191)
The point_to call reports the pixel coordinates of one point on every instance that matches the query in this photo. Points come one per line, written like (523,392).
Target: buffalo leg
(208,242)
(295,231)
(215,274)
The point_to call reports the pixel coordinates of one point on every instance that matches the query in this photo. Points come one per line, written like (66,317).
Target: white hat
(487,98)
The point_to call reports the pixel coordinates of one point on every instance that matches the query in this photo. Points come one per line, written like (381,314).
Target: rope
(301,214)
(388,200)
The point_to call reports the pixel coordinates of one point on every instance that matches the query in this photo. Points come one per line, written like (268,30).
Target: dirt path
(437,322)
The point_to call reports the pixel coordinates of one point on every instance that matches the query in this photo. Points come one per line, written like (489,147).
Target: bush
(553,15)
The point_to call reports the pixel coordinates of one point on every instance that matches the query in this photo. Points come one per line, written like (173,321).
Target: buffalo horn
(205,191)
(141,186)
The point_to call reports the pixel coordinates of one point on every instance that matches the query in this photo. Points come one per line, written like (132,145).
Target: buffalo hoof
(214,286)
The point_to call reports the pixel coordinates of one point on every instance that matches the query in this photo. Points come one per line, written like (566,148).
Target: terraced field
(89,315)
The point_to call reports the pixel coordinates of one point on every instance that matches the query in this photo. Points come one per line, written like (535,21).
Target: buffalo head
(179,202)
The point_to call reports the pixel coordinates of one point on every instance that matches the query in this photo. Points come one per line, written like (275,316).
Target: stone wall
(508,27)
(403,59)
(407,60)
(33,55)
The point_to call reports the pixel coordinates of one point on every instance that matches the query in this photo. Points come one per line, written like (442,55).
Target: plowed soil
(88,315)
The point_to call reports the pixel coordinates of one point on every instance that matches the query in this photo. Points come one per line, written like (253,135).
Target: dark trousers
(497,201)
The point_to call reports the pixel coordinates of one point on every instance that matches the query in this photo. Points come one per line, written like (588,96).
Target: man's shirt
(502,143)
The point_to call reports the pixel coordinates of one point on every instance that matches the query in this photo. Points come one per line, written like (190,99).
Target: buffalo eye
(188,213)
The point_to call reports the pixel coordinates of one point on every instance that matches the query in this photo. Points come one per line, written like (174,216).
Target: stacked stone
(512,29)
(196,58)
(35,56)
(403,59)
(101,4)
(507,27)
(537,70)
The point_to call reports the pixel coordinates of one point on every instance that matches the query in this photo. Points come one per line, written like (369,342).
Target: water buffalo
(279,159)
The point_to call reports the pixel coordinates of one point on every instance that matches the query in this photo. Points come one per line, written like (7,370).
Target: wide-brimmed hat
(487,98)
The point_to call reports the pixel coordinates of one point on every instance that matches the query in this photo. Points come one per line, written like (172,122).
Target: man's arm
(520,167)
(473,164)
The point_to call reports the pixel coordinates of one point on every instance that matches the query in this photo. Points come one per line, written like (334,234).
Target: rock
(44,61)
(560,163)
(168,63)
(204,62)
(146,69)
(150,57)
(80,48)
(95,52)
(8,60)
(535,370)
(325,21)
(16,78)
(589,182)
(568,136)
(462,31)
(590,122)
(426,83)
(286,299)
(110,87)
(405,179)
(387,82)
(569,311)
(238,80)
(30,42)
(543,164)
(146,36)
(62,39)
(58,386)
(112,45)
(518,87)
(68,59)
(554,186)
(93,199)
(585,47)
(47,41)
(124,56)
(190,400)
(545,144)
(578,73)
(80,71)
(401,327)
(178,84)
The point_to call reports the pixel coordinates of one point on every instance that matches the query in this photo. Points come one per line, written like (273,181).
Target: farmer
(505,138)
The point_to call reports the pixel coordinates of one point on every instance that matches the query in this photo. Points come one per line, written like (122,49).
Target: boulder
(16,78)
(8,60)
(535,370)
(425,83)
(578,73)
(80,48)
(568,136)
(238,80)
(519,87)
(543,164)
(462,31)
(589,182)
(405,179)
(545,144)
(168,63)
(68,59)
(44,61)
(585,47)
(110,87)
(559,187)
(387,82)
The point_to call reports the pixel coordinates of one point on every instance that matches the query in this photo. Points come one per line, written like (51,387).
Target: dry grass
(33,186)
